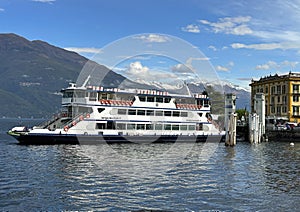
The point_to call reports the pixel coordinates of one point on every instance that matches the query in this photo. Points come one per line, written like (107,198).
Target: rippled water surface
(172,177)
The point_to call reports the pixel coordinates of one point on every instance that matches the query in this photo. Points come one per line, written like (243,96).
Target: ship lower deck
(50,139)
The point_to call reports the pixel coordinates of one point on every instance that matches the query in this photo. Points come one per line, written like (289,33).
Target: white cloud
(224,47)
(191,59)
(274,65)
(1,10)
(137,71)
(230,25)
(231,64)
(83,50)
(213,48)
(226,68)
(188,67)
(153,38)
(181,68)
(222,68)
(191,28)
(262,67)
(45,1)
(267,46)
(292,64)
(278,35)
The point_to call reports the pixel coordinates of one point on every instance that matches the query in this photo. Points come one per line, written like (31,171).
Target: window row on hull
(111,125)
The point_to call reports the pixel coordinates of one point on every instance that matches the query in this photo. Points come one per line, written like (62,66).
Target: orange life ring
(66,128)
(74,123)
(81,118)
(88,115)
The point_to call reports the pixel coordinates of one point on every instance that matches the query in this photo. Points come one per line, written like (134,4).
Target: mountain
(243,95)
(33,72)
(215,91)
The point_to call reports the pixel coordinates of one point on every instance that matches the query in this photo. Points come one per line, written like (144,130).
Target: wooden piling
(231,133)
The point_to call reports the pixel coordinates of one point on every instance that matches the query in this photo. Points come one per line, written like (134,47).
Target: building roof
(276,77)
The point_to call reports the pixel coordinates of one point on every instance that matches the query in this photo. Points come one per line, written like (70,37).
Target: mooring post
(259,107)
(229,108)
(257,119)
(231,133)
(254,128)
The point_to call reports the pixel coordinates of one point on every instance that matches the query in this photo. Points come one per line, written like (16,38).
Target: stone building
(282,95)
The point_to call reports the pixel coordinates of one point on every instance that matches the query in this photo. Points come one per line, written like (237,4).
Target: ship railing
(116,102)
(188,106)
(55,118)
(78,118)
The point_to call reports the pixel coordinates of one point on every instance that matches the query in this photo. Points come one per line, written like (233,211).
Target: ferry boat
(97,115)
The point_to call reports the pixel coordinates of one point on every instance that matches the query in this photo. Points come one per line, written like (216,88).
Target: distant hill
(33,72)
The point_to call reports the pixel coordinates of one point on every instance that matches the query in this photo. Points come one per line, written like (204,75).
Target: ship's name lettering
(106,118)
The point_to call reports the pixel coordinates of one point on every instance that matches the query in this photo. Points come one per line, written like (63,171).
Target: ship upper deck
(132,97)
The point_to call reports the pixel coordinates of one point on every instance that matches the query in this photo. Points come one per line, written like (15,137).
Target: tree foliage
(241,112)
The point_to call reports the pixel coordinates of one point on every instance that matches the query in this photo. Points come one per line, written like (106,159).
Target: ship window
(183,127)
(167,100)
(149,127)
(150,112)
(142,98)
(121,126)
(176,113)
(85,110)
(141,112)
(192,127)
(122,111)
(184,114)
(200,126)
(103,96)
(140,126)
(150,99)
(100,110)
(131,112)
(111,96)
(93,96)
(200,114)
(158,113)
(130,126)
(206,103)
(167,113)
(100,126)
(167,127)
(68,95)
(175,127)
(159,99)
(110,125)
(158,127)
(79,94)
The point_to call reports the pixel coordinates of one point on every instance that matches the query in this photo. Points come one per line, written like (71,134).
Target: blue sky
(241,39)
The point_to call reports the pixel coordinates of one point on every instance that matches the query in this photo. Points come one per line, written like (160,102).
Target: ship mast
(187,88)
(86,81)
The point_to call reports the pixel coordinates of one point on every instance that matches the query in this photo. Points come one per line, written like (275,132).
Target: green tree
(242,112)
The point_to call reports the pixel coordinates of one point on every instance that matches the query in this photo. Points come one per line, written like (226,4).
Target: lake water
(132,177)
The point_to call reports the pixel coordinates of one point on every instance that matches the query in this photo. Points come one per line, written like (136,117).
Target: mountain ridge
(33,72)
